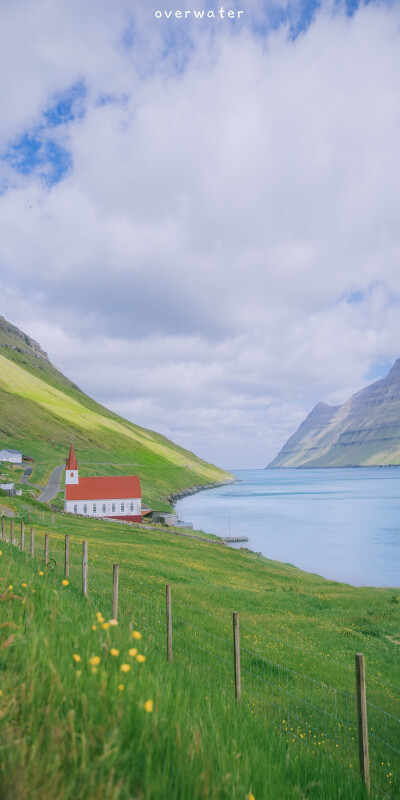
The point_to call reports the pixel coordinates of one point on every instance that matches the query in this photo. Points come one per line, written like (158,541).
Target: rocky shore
(173,498)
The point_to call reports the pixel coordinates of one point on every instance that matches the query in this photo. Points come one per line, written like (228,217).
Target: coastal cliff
(364,431)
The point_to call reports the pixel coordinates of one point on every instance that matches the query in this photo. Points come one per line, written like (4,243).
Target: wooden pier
(235,538)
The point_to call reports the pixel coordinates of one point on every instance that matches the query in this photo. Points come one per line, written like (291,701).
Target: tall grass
(68,729)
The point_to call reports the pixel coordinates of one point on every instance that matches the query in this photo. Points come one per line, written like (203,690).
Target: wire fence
(303,709)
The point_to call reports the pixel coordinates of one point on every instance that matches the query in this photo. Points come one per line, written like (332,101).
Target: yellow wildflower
(113,622)
(76,658)
(121,687)
(1,692)
(99,616)
(125,667)
(141,659)
(94,661)
(114,651)
(133,652)
(41,572)
(94,670)
(105,626)
(136,635)
(10,587)
(24,585)
(1,552)
(94,627)
(65,582)
(148,706)
(250,796)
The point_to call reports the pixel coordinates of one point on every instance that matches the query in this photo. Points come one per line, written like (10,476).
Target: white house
(115,497)
(13,456)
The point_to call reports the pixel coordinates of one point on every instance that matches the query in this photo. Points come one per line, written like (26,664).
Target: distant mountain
(363,432)
(40,409)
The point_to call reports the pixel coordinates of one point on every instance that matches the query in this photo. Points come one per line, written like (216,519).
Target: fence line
(304,709)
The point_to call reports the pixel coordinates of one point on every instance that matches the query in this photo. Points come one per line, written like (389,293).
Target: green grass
(299,632)
(315,625)
(67,732)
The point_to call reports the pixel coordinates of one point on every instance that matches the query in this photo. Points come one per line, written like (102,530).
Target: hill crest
(40,408)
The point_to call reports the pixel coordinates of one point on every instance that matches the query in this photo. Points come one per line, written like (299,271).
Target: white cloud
(192,269)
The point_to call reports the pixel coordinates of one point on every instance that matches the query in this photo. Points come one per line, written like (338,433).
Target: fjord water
(343,524)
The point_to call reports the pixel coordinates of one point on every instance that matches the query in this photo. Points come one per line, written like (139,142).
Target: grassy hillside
(83,729)
(40,409)
(299,634)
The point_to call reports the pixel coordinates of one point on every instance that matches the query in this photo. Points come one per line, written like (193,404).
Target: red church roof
(117,487)
(71,463)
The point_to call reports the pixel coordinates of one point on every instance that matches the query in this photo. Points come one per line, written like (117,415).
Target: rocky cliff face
(364,431)
(14,339)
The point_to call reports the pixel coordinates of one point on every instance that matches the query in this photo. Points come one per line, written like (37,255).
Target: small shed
(167,517)
(8,488)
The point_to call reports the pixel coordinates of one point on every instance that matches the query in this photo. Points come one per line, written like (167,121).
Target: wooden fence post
(362,720)
(85,568)
(32,542)
(3,529)
(236,654)
(115,591)
(12,531)
(66,560)
(169,623)
(46,548)
(22,542)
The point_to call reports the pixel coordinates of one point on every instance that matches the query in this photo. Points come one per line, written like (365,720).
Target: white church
(115,497)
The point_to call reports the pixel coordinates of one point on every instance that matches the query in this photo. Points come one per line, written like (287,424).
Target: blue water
(343,524)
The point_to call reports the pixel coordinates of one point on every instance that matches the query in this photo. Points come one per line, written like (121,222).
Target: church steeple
(71,468)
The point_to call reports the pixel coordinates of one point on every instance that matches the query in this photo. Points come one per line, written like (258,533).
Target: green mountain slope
(40,409)
(364,431)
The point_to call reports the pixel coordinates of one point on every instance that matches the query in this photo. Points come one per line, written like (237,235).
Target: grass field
(81,717)
(299,634)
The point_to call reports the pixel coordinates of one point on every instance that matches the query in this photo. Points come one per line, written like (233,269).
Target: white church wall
(105,508)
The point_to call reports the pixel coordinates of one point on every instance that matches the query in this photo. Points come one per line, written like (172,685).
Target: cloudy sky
(199,218)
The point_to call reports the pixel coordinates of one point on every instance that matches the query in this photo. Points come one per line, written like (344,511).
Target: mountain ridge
(9,333)
(363,431)
(40,409)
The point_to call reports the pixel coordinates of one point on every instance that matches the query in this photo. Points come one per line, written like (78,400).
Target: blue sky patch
(355,296)
(67,106)
(306,16)
(379,370)
(37,151)
(32,153)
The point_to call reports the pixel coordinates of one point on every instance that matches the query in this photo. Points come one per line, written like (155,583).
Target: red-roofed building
(115,497)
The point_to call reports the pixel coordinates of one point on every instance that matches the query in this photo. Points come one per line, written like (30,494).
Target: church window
(84,508)
(104,508)
(131,506)
(113,507)
(75,509)
(122,506)
(94,508)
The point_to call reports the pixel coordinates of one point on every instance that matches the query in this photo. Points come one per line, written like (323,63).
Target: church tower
(71,469)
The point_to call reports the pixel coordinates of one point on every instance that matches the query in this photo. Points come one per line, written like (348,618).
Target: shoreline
(277,535)
(176,496)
